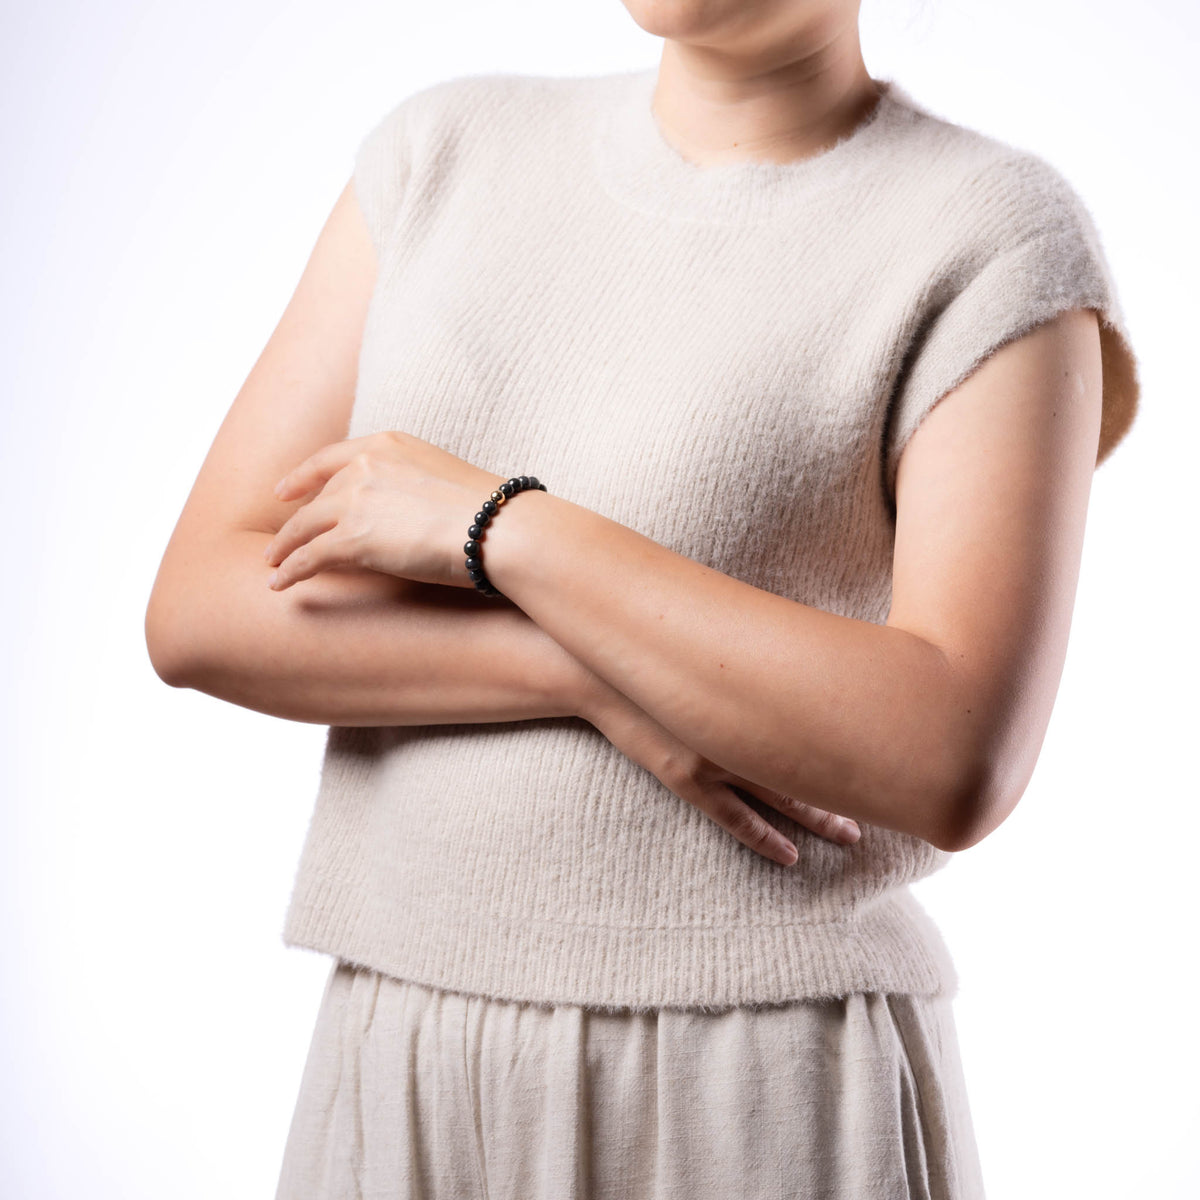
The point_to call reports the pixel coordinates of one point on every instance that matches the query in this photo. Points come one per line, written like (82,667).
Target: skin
(930,724)
(356,646)
(776,80)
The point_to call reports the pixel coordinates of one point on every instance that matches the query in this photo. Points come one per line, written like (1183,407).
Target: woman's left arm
(930,724)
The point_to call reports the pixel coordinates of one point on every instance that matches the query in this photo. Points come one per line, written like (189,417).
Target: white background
(167,167)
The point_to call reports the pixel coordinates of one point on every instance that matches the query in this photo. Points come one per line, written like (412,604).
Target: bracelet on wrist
(490,507)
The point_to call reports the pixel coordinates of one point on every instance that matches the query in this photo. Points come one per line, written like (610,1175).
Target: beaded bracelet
(489,508)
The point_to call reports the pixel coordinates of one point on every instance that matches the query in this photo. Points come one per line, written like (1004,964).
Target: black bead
(506,489)
(474,531)
(481,519)
(490,507)
(515,483)
(476,573)
(471,547)
(533,482)
(524,481)
(474,564)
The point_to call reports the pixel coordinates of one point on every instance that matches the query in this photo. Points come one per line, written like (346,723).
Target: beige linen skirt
(413,1093)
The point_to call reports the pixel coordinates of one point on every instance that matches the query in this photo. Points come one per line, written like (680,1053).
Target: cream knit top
(728,359)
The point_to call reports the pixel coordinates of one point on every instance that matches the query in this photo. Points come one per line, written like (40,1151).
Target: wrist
(571,689)
(482,532)
(589,696)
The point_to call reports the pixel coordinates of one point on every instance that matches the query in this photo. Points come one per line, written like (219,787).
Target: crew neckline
(640,167)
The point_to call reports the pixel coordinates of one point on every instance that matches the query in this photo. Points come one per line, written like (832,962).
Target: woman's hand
(393,503)
(389,502)
(702,783)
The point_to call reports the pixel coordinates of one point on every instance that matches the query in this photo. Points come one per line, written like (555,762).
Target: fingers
(312,473)
(311,519)
(819,821)
(706,786)
(307,543)
(738,818)
(328,550)
(828,825)
(322,464)
(719,803)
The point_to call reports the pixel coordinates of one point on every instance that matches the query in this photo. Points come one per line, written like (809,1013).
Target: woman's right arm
(352,647)
(346,647)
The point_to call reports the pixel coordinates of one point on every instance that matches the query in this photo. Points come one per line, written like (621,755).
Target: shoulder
(481,106)
(996,241)
(468,137)
(979,186)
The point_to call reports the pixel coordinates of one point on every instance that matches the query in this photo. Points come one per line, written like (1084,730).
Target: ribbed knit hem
(893,946)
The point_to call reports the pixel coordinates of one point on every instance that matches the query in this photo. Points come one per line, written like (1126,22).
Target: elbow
(167,644)
(966,813)
(165,658)
(959,828)
(977,759)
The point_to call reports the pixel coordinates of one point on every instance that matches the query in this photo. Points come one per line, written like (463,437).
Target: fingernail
(271,581)
(790,852)
(851,833)
(279,485)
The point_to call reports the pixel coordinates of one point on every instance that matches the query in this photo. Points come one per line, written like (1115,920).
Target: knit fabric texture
(730,360)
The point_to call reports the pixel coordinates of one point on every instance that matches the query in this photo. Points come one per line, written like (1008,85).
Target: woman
(814,383)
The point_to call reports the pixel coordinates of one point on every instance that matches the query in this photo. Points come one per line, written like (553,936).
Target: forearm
(861,719)
(355,647)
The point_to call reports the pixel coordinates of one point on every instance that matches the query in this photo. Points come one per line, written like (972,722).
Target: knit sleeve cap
(381,169)
(1033,253)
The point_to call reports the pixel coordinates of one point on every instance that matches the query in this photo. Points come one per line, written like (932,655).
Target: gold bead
(499,497)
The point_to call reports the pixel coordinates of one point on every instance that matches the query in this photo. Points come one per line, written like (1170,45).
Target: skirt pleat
(414,1093)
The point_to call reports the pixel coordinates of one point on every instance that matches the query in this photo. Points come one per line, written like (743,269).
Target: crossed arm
(930,724)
